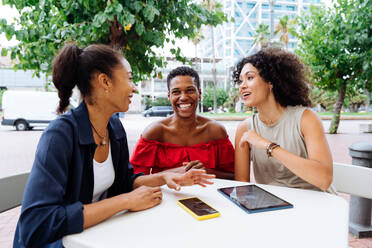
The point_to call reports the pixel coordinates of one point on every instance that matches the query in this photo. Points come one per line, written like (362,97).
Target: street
(18,148)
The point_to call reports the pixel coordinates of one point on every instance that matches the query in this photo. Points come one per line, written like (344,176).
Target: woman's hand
(196,164)
(191,177)
(252,138)
(144,197)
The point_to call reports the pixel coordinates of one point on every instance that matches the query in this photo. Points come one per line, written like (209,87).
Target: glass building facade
(234,40)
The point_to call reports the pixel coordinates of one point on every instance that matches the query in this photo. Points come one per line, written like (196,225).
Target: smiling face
(253,89)
(122,88)
(184,95)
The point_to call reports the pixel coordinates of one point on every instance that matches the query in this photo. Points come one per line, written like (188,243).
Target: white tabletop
(317,219)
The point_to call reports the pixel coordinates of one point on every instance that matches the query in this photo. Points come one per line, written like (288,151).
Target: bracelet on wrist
(270,148)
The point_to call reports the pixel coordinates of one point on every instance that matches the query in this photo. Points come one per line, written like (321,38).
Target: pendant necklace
(103,138)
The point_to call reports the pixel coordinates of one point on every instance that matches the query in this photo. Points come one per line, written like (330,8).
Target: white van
(27,109)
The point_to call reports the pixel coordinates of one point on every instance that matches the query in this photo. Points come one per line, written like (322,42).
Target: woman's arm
(242,159)
(139,199)
(317,169)
(175,180)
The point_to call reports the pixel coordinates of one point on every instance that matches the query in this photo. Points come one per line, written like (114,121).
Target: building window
(291,7)
(291,45)
(277,7)
(160,86)
(253,16)
(265,6)
(265,15)
(250,5)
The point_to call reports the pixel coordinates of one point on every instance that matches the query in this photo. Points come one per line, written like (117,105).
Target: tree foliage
(284,28)
(221,96)
(336,43)
(136,27)
(262,35)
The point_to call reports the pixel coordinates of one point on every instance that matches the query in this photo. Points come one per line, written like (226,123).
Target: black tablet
(253,199)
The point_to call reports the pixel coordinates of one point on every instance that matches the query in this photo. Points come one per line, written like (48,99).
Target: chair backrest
(353,179)
(11,191)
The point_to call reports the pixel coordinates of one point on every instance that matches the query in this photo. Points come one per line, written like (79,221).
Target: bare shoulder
(154,131)
(310,121)
(215,129)
(242,127)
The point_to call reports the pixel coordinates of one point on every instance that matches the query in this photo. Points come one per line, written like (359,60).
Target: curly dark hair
(183,71)
(284,71)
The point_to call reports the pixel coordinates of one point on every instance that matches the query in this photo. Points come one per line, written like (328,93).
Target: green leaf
(4,52)
(140,28)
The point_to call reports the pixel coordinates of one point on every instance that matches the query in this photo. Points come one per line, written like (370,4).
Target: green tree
(355,100)
(336,44)
(135,27)
(262,35)
(161,101)
(233,98)
(326,99)
(221,96)
(284,28)
(1,98)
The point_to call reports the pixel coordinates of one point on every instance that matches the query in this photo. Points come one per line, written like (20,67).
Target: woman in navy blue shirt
(81,173)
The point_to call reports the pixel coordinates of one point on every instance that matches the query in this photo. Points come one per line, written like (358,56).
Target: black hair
(183,71)
(284,71)
(74,67)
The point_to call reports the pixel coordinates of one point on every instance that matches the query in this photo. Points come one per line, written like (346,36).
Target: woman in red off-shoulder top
(184,140)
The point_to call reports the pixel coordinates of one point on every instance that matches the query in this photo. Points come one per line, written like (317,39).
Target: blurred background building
(233,40)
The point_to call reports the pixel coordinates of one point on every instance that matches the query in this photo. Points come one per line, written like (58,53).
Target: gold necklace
(103,138)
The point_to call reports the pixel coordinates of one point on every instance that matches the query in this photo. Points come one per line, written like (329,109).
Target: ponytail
(64,74)
(74,67)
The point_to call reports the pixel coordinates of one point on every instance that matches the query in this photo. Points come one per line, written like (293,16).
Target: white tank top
(104,176)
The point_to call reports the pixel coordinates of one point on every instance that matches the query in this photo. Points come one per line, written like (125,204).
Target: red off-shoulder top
(150,156)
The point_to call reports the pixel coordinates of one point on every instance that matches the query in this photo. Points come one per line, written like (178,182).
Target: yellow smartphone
(197,208)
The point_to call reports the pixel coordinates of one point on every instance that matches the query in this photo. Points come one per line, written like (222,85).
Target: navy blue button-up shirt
(62,180)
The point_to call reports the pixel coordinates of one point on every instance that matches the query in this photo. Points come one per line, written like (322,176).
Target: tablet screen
(253,198)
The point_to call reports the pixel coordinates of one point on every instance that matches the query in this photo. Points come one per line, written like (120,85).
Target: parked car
(26,109)
(158,111)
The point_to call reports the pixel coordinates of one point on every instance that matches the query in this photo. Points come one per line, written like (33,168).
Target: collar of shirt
(116,131)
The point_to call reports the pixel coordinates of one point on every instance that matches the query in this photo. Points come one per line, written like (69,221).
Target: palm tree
(262,35)
(284,27)
(210,4)
(272,3)
(198,36)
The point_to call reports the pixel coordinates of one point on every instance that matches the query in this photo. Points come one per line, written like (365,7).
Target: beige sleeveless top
(287,133)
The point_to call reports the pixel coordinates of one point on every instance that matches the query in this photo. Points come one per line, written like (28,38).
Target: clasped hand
(254,139)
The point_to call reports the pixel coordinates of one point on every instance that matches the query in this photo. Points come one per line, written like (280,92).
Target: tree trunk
(368,99)
(336,114)
(116,37)
(46,86)
(214,72)
(271,2)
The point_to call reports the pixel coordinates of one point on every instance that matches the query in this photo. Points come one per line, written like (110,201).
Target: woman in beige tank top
(285,141)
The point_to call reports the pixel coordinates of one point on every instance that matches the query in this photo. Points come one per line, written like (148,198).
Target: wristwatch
(270,148)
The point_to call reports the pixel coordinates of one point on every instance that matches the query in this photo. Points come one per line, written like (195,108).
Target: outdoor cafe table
(318,219)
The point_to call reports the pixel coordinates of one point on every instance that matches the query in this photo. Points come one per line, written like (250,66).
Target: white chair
(352,179)
(11,191)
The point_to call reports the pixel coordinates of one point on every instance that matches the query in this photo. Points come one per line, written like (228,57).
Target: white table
(318,220)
